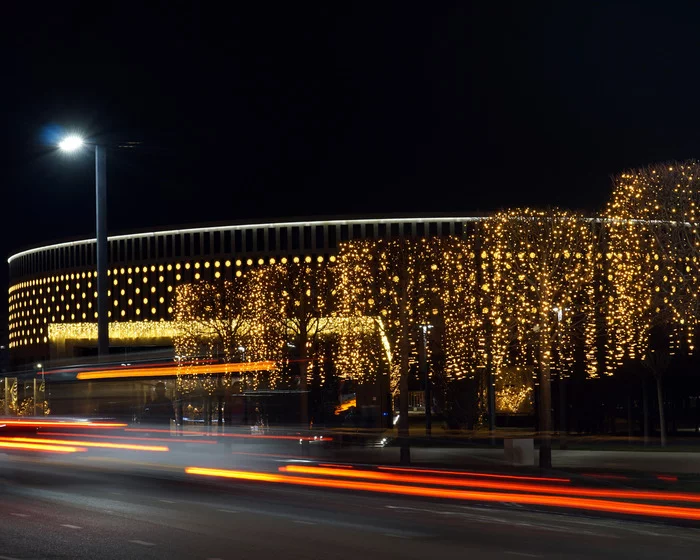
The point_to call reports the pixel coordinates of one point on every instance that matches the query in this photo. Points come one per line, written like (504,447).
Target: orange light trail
(127,446)
(172,371)
(475,474)
(173,439)
(495,485)
(59,424)
(530,499)
(41,447)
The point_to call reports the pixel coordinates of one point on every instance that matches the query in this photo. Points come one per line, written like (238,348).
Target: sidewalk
(656,462)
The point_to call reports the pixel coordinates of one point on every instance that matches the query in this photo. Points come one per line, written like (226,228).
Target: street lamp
(72,143)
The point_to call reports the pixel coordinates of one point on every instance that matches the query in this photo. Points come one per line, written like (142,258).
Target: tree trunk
(303,381)
(404,442)
(645,408)
(662,415)
(545,414)
(563,444)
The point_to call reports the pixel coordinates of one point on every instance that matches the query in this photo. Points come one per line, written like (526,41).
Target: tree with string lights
(653,220)
(537,275)
(292,301)
(397,283)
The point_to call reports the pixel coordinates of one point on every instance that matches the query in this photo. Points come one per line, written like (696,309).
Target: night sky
(336,108)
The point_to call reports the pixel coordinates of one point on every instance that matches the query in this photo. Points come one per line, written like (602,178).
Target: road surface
(73,513)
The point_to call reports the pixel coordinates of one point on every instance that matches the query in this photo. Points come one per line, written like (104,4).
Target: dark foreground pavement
(47,512)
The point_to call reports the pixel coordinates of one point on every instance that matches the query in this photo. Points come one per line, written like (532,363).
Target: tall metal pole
(102,248)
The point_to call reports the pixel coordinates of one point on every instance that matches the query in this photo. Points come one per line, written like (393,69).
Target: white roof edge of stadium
(339,222)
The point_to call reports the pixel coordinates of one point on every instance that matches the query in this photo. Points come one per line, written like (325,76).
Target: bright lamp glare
(70,143)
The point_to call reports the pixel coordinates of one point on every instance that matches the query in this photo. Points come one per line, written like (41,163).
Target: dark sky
(299,108)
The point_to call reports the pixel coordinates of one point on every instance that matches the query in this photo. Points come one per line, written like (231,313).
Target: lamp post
(71,144)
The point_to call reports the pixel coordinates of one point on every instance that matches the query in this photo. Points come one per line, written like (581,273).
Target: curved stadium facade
(53,297)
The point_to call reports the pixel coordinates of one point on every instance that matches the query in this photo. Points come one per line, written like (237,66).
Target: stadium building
(53,293)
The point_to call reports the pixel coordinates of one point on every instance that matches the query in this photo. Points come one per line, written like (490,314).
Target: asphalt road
(50,512)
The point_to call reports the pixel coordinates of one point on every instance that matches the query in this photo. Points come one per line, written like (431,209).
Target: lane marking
(8,558)
(304,522)
(167,501)
(68,526)
(142,543)
(228,510)
(19,514)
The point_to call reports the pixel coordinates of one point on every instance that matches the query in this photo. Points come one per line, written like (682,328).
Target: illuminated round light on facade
(196,275)
(129,281)
(72,318)
(217,264)
(170,309)
(145,301)
(63,317)
(123,291)
(161,278)
(217,274)
(72,277)
(109,273)
(89,284)
(249,262)
(77,287)
(178,266)
(137,290)
(116,282)
(153,268)
(116,303)
(94,274)
(89,305)
(72,296)
(153,289)
(272,260)
(128,270)
(319,259)
(307,259)
(130,301)
(261,261)
(77,305)
(62,298)
(170,267)
(138,311)
(238,273)
(109,313)
(331,258)
(170,288)
(46,339)
(197,265)
(109,293)
(153,310)
(206,264)
(123,312)
(160,268)
(187,266)
(178,277)
(296,260)
(162,299)
(121,271)
(238,262)
(137,269)
(145,279)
